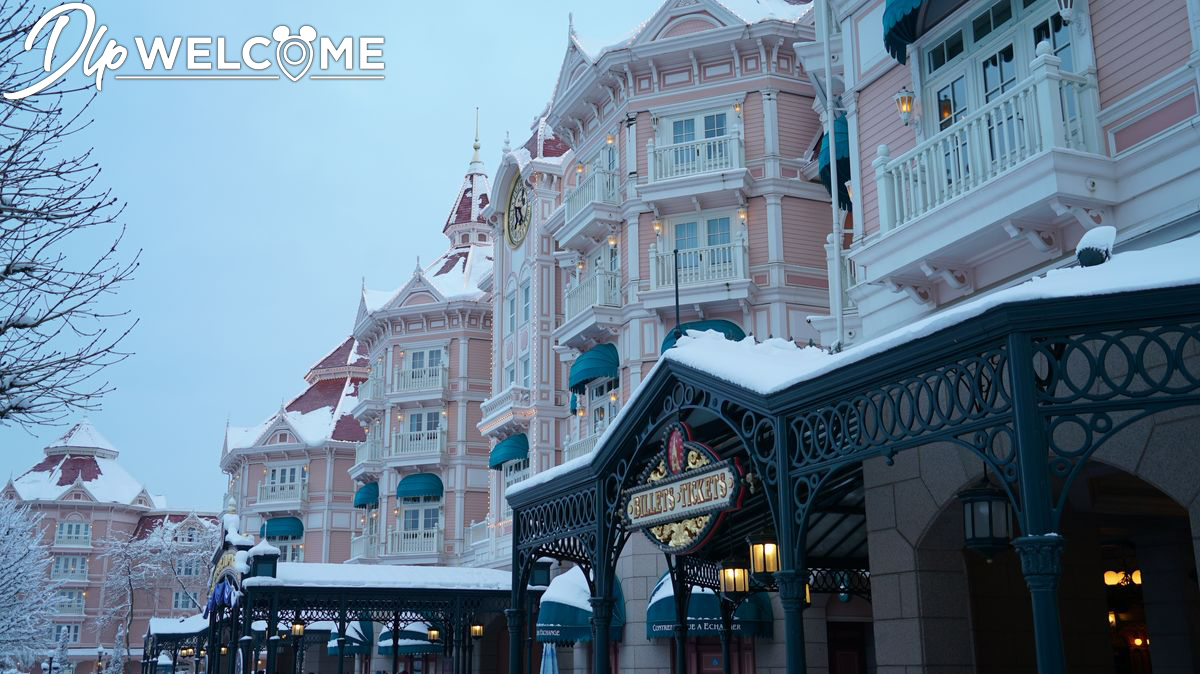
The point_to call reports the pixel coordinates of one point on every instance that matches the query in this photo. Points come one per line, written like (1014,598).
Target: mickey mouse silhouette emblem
(294,52)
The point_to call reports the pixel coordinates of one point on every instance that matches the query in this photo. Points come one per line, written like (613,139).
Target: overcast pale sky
(261,205)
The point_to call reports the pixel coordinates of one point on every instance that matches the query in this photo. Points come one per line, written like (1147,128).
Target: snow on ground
(308,574)
(775,364)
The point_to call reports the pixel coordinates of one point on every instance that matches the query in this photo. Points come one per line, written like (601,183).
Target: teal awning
(841,136)
(359,636)
(512,448)
(367,495)
(731,331)
(900,26)
(282,527)
(414,640)
(598,362)
(754,618)
(565,615)
(420,484)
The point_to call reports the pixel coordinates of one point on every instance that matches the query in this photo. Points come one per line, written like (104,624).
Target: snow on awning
(754,617)
(730,329)
(313,574)
(565,612)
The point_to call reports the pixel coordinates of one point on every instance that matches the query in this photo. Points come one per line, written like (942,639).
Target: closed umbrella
(549,659)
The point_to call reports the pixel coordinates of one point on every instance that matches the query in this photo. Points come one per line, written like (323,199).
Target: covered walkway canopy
(1005,378)
(565,613)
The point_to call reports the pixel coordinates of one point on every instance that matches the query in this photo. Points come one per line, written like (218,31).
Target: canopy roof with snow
(82,461)
(322,412)
(312,575)
(774,366)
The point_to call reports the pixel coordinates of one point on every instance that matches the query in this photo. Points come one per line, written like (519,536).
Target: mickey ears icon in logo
(294,53)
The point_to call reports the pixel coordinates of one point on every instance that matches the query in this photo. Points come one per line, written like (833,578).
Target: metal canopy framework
(1031,388)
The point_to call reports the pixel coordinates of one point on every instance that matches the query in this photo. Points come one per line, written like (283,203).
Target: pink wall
(878,124)
(1137,43)
(752,123)
(756,222)
(805,226)
(798,123)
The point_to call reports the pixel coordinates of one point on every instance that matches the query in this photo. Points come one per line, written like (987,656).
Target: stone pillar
(1168,593)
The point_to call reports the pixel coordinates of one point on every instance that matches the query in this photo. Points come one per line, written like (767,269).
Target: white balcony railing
(1047,110)
(364,546)
(69,606)
(371,450)
(70,574)
(288,491)
(578,448)
(707,264)
(81,539)
(597,186)
(375,386)
(513,396)
(410,443)
(406,380)
(416,541)
(695,157)
(478,533)
(599,289)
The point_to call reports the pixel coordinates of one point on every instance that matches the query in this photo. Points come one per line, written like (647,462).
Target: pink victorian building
(85,498)
(288,476)
(421,475)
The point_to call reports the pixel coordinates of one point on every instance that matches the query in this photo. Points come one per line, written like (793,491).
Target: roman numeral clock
(516,217)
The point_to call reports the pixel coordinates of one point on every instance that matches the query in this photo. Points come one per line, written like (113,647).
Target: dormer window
(282,438)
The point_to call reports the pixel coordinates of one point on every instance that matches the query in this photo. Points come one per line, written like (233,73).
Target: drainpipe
(826,8)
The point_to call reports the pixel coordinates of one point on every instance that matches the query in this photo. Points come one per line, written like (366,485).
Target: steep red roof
(147,523)
(341,356)
(348,430)
(73,467)
(325,393)
(551,146)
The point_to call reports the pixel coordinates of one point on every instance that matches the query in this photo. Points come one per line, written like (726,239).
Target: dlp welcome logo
(293,55)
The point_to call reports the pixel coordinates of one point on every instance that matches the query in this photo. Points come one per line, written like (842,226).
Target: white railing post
(651,175)
(1047,78)
(884,192)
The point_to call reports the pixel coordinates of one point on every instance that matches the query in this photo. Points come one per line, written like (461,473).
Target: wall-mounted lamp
(610,139)
(904,105)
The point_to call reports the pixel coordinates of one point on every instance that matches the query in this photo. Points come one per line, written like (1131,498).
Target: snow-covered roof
(456,274)
(189,625)
(72,460)
(321,413)
(306,574)
(773,365)
(262,548)
(83,435)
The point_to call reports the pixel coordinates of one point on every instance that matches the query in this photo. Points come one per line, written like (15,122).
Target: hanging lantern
(764,555)
(579,169)
(612,396)
(742,214)
(434,634)
(734,580)
(1112,618)
(610,139)
(476,631)
(224,650)
(297,629)
(737,108)
(612,240)
(904,105)
(657,226)
(987,518)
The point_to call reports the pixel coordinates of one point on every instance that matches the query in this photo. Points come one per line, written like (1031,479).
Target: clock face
(516,218)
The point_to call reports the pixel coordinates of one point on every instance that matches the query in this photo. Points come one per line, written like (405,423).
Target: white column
(632,252)
(328,516)
(770,109)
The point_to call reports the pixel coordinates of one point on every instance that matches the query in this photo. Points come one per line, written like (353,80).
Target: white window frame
(295,472)
(510,310)
(422,506)
(510,375)
(69,565)
(512,472)
(601,410)
(77,600)
(666,124)
(187,568)
(526,300)
(291,548)
(71,629)
(1017,31)
(74,528)
(183,601)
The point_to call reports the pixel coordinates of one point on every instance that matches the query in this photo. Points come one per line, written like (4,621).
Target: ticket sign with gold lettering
(684,493)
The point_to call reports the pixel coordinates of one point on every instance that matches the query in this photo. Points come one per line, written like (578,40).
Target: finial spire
(475,157)
(507,143)
(571,24)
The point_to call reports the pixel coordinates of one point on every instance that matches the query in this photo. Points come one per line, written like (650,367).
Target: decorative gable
(683,17)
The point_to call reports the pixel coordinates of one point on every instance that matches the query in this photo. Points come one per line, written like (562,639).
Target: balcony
(577,448)
(509,410)
(287,495)
(706,274)
(1018,172)
(68,575)
(685,170)
(416,446)
(592,308)
(589,210)
(70,607)
(367,456)
(406,381)
(488,542)
(365,546)
(73,540)
(414,542)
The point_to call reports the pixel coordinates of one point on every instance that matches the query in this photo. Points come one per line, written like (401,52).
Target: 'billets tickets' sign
(684,493)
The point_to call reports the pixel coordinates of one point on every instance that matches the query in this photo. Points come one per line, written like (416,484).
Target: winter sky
(260,206)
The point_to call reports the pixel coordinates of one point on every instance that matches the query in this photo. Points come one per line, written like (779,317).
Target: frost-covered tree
(58,240)
(28,598)
(116,663)
(60,653)
(174,554)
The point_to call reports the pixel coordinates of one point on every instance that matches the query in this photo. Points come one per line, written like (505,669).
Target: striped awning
(282,527)
(597,363)
(841,136)
(367,495)
(753,618)
(512,448)
(905,21)
(420,484)
(565,615)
